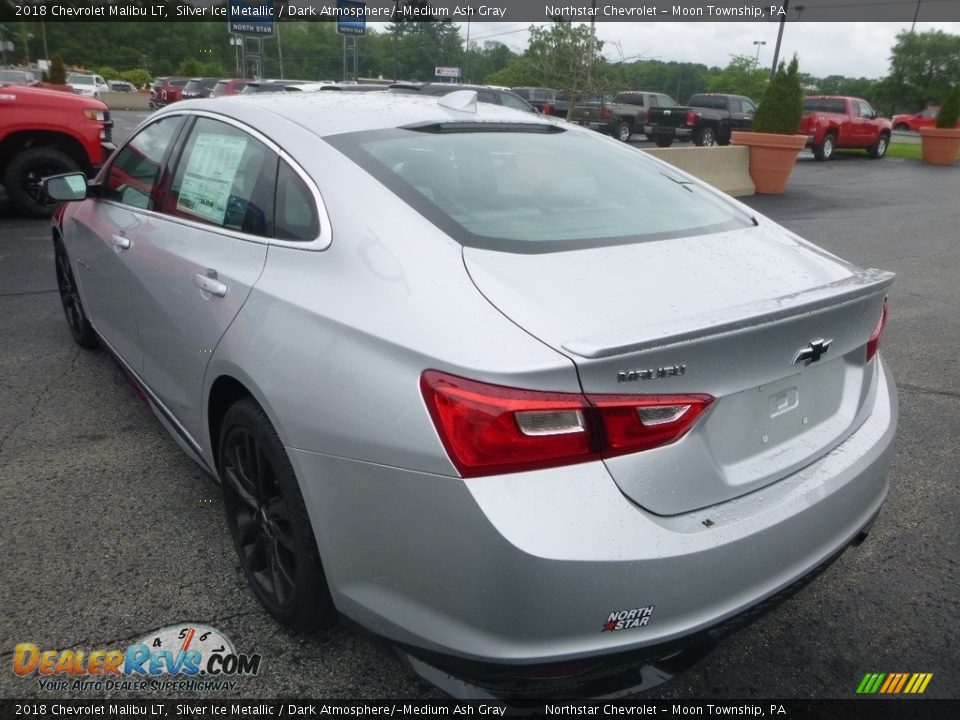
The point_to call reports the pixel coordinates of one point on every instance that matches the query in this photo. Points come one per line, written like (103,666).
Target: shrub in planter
(774,143)
(941,143)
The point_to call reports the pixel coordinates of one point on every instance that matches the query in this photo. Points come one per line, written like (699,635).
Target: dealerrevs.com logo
(186,657)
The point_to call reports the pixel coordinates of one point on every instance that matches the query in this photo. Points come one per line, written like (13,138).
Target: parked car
(707,119)
(230,86)
(538,97)
(312,86)
(89,85)
(485,93)
(46,132)
(559,106)
(267,86)
(621,116)
(122,86)
(833,121)
(925,118)
(198,88)
(346,87)
(14,76)
(166,90)
(496,389)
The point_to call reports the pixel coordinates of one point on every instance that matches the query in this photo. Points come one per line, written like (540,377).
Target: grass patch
(909,151)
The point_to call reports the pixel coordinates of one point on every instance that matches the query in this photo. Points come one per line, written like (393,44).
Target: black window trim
(320,243)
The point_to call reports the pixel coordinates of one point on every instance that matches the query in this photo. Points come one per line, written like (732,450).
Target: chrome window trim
(320,243)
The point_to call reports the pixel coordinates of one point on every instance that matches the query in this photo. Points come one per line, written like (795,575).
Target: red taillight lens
(547,108)
(873,344)
(633,423)
(490,429)
(605,113)
(691,117)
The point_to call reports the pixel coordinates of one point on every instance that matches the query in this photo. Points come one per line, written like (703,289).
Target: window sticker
(208,179)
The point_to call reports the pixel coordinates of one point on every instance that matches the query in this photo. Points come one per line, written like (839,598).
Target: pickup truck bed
(708,119)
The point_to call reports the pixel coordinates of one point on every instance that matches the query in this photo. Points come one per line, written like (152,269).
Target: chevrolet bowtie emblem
(814,350)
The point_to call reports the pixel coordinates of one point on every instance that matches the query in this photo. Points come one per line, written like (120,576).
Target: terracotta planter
(772,158)
(939,145)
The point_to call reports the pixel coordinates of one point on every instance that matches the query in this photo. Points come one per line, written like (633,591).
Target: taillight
(691,117)
(547,109)
(490,429)
(873,344)
(605,113)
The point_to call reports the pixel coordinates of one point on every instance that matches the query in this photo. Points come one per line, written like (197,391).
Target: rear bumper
(529,569)
(655,131)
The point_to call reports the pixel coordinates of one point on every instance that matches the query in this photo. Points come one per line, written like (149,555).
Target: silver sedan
(544,412)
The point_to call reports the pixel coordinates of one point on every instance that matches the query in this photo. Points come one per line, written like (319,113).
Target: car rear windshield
(535,188)
(824,105)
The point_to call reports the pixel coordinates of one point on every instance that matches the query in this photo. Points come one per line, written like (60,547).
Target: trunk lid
(724,314)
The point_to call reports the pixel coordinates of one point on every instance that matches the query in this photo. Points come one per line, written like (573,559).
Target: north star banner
(258,16)
(252,17)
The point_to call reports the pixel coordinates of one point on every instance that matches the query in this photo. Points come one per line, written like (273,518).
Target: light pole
(776,52)
(756,60)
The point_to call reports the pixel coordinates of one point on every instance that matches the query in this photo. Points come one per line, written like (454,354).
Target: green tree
(140,78)
(781,106)
(924,66)
(559,55)
(190,68)
(741,76)
(950,112)
(58,73)
(108,72)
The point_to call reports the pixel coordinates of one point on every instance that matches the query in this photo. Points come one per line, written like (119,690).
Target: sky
(826,48)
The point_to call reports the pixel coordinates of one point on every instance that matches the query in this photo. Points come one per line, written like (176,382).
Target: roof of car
(333,113)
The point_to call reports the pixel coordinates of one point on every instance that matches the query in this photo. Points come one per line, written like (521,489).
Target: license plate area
(775,426)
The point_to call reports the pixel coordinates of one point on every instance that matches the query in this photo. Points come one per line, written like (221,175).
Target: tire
(902,127)
(269,522)
(83,333)
(623,131)
(663,141)
(23,175)
(824,151)
(879,148)
(705,137)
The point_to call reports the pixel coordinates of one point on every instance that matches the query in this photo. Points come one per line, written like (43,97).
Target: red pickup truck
(46,132)
(831,122)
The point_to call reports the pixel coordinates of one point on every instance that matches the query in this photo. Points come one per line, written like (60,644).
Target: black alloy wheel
(269,522)
(83,333)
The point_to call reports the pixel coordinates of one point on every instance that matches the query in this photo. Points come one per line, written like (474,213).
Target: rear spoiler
(860,285)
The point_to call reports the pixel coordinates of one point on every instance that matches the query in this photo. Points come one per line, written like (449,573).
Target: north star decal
(627,619)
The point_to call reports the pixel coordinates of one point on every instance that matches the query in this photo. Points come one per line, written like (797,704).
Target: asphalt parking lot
(109,531)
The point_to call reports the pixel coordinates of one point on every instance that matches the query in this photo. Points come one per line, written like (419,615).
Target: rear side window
(715,102)
(225,177)
(828,105)
(133,174)
(533,188)
(296,213)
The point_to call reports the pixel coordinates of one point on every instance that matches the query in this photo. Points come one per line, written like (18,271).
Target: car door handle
(121,242)
(210,285)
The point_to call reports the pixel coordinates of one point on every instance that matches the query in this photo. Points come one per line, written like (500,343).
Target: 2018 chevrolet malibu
(541,410)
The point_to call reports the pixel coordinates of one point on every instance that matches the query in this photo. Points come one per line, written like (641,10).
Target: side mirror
(67,187)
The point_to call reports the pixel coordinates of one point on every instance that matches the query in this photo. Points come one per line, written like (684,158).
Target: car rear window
(824,105)
(534,188)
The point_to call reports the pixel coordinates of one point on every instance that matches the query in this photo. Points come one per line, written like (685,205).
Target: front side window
(135,169)
(535,188)
(224,177)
